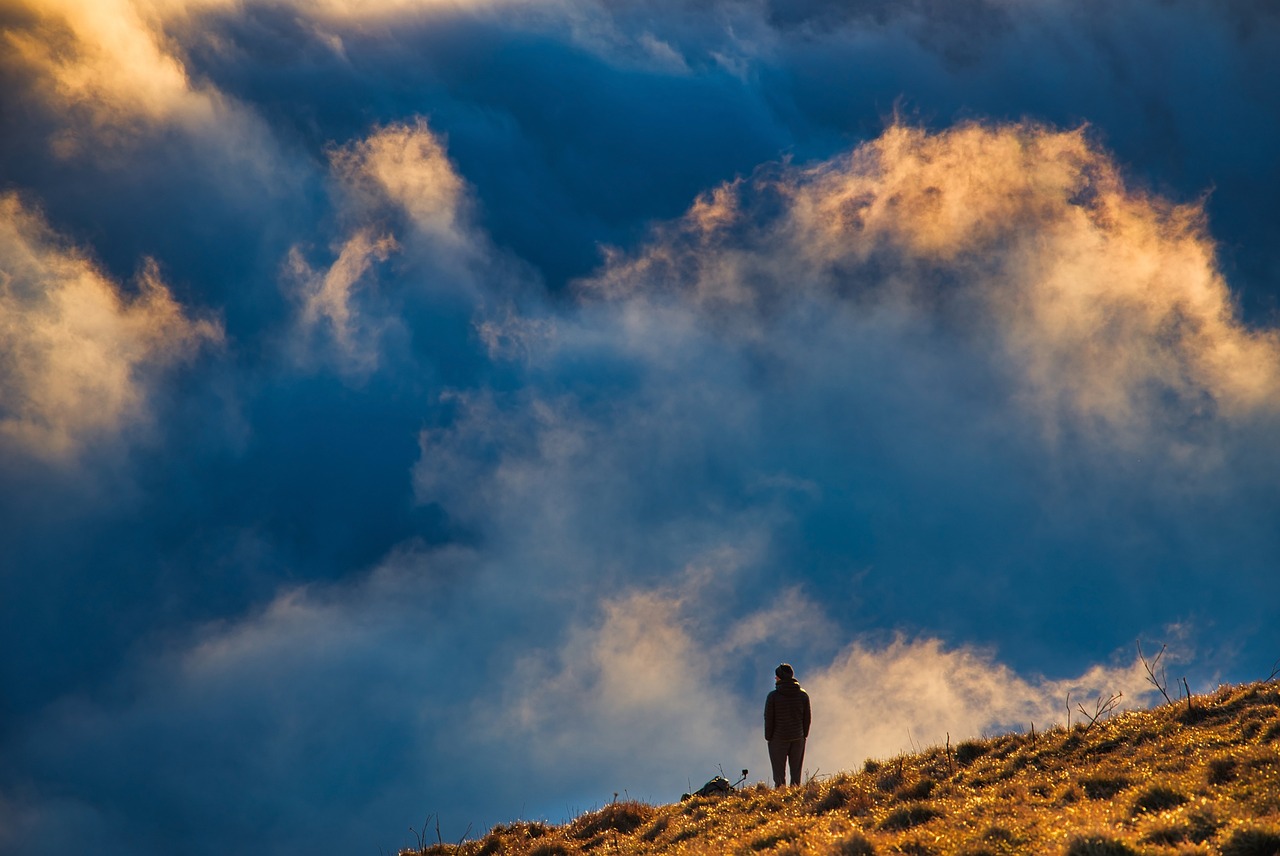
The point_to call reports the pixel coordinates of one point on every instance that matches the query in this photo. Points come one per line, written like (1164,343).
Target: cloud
(915,692)
(112,62)
(406,165)
(398,179)
(1104,302)
(327,301)
(944,414)
(79,356)
(371,696)
(646,690)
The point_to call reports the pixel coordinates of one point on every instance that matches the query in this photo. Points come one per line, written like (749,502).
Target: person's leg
(795,759)
(778,758)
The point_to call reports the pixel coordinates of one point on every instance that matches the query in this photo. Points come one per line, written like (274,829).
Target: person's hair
(785,671)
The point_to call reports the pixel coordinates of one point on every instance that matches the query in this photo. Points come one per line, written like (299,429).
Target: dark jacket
(786,712)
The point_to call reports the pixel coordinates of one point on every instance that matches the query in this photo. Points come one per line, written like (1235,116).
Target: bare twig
(1100,709)
(464,835)
(1159,682)
(1275,670)
(439,838)
(1068,710)
(1188,689)
(422,836)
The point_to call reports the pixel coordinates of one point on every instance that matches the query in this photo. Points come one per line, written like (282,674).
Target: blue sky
(414,408)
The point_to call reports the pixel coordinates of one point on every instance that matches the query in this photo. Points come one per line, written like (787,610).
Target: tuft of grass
(1252,842)
(550,848)
(1157,798)
(1099,845)
(908,816)
(969,751)
(853,844)
(919,791)
(774,837)
(1222,770)
(622,817)
(1103,787)
(843,795)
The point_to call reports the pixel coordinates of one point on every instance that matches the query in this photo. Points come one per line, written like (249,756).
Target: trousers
(783,753)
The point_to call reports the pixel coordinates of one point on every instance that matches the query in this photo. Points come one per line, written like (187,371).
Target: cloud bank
(423,407)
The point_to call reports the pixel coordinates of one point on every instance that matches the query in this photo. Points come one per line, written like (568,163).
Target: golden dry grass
(1174,780)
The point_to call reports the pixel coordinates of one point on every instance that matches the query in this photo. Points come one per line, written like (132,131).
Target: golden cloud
(407,165)
(111,62)
(1106,301)
(77,355)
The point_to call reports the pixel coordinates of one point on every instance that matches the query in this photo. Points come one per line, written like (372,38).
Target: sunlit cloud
(406,165)
(1106,302)
(113,63)
(79,354)
(648,685)
(921,692)
(397,179)
(328,308)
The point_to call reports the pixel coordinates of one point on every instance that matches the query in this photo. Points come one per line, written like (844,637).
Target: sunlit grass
(1198,778)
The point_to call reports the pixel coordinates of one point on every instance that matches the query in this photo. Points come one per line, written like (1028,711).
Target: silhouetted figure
(786,725)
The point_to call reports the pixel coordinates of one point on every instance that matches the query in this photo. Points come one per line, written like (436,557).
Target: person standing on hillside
(786,725)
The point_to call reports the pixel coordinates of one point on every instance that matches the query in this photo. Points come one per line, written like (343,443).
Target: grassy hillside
(1186,778)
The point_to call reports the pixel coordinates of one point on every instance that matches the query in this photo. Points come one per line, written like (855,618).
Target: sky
(436,409)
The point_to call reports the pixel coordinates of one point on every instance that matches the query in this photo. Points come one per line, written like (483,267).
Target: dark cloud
(410,410)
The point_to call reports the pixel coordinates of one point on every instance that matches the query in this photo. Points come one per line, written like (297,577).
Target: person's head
(784,672)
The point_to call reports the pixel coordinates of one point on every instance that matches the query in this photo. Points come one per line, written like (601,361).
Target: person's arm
(769,717)
(808,715)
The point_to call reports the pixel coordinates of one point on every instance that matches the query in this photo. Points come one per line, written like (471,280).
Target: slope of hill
(1195,777)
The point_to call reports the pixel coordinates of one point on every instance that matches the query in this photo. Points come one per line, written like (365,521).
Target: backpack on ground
(717,787)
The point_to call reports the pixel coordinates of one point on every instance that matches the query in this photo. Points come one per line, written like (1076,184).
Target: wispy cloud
(79,353)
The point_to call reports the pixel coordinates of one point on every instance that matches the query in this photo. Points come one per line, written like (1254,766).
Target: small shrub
(1098,845)
(1250,729)
(916,848)
(1103,787)
(871,766)
(853,844)
(1157,798)
(1271,732)
(1252,842)
(908,816)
